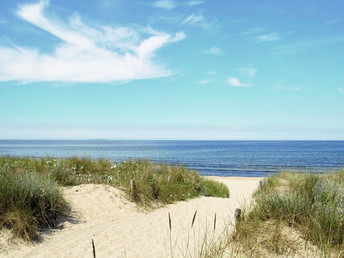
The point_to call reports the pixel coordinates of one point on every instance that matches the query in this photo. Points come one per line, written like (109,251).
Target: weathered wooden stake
(169,179)
(132,185)
(261,185)
(94,249)
(237,213)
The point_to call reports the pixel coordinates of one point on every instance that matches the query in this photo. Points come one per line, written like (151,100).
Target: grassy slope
(30,197)
(310,204)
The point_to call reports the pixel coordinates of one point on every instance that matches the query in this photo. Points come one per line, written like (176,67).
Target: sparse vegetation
(310,206)
(289,211)
(30,196)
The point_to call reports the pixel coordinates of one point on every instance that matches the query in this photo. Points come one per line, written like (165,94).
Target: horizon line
(158,139)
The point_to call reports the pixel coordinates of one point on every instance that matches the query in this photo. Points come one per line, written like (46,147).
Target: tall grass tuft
(28,201)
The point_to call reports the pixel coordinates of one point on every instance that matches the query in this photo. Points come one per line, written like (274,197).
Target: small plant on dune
(201,240)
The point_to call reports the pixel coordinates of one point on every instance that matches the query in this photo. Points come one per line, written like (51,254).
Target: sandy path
(120,230)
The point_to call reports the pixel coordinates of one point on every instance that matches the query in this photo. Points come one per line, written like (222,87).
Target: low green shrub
(212,188)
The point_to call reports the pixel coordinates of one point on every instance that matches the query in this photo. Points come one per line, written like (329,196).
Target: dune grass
(303,204)
(31,198)
(29,201)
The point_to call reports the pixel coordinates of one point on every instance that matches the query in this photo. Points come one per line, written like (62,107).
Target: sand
(120,229)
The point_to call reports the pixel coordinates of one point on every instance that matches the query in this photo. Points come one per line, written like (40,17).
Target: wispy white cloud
(341,90)
(211,73)
(197,19)
(287,88)
(250,72)
(107,4)
(253,30)
(268,37)
(194,18)
(334,21)
(235,82)
(179,36)
(169,18)
(165,4)
(204,81)
(305,44)
(86,54)
(213,51)
(195,2)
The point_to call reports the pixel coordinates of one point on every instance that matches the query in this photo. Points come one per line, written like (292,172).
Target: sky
(168,69)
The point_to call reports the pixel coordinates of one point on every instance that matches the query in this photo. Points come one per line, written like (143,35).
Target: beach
(119,228)
(166,128)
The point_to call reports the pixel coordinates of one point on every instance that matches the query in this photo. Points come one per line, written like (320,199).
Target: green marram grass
(31,197)
(29,201)
(311,204)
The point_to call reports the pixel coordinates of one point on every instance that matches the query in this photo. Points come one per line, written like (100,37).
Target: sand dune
(120,229)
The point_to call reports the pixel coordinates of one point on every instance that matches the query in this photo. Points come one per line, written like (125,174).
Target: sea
(215,158)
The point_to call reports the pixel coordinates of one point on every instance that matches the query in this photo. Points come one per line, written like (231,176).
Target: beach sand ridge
(120,229)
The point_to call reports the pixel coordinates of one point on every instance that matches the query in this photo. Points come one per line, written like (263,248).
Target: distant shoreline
(186,140)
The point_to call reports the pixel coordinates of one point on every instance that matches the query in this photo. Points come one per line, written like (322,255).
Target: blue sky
(196,69)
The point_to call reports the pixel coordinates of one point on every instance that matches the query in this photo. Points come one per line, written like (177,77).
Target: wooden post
(169,179)
(133,189)
(132,185)
(237,213)
(94,249)
(261,188)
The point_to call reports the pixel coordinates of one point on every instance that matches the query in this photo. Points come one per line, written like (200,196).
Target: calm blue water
(221,158)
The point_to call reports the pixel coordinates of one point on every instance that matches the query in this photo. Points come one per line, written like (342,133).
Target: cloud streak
(195,2)
(213,51)
(235,82)
(204,81)
(306,44)
(268,37)
(287,88)
(341,90)
(197,19)
(250,72)
(251,31)
(331,22)
(85,54)
(165,4)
